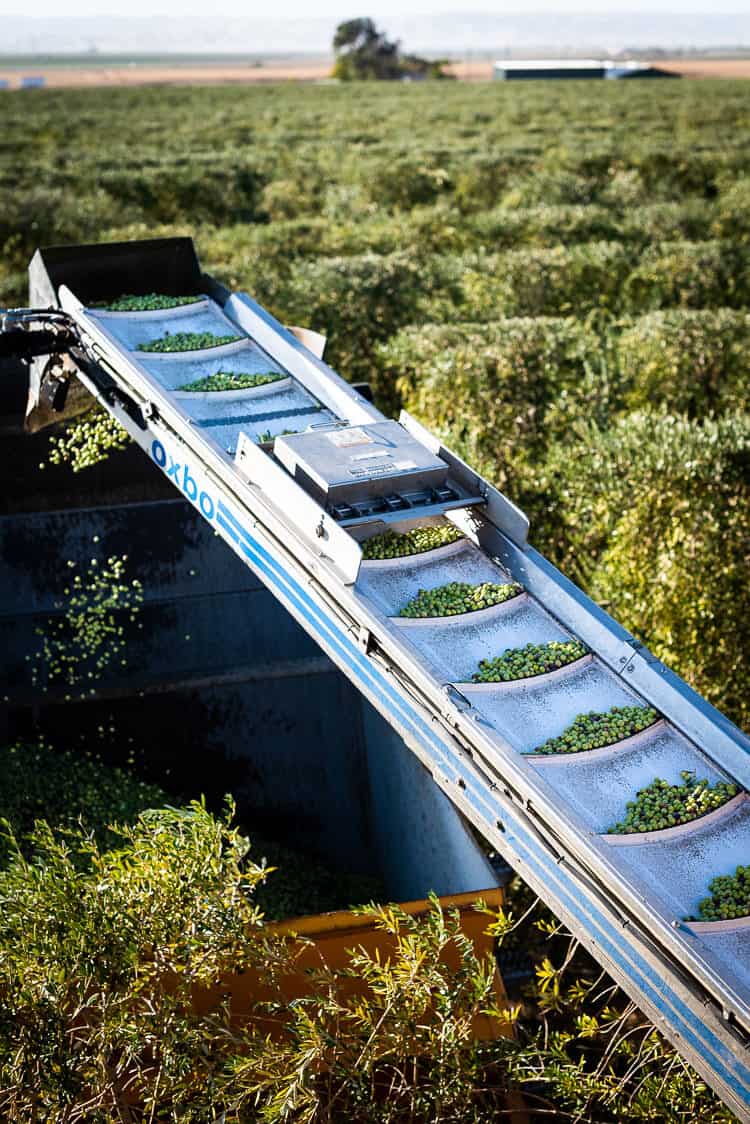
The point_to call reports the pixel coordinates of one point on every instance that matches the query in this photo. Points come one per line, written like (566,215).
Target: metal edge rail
(355,625)
(696,718)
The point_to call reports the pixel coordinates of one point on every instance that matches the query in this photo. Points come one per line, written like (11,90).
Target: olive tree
(656,515)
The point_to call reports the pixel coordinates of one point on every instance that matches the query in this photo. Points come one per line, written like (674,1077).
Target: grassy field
(554,276)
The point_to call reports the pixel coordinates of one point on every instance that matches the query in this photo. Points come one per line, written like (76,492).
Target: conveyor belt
(625,897)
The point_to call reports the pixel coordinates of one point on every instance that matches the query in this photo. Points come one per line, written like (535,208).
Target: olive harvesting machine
(295,474)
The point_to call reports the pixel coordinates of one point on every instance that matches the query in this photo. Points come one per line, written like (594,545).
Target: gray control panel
(360,471)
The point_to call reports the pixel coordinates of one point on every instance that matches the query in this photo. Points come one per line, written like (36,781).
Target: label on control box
(369,470)
(345,438)
(379,468)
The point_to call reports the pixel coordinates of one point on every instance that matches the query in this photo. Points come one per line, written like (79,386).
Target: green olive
(533,659)
(186,341)
(593,730)
(459,597)
(396,544)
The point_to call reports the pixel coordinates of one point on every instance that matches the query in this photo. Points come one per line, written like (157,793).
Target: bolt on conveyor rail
(295,472)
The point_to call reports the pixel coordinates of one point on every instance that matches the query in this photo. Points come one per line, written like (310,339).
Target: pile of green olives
(660,804)
(730,897)
(186,341)
(401,544)
(230,380)
(459,597)
(595,729)
(533,659)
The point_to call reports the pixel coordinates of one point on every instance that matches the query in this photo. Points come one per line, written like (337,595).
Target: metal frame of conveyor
(312,565)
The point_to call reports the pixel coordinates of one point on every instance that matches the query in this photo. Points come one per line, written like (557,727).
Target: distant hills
(442,33)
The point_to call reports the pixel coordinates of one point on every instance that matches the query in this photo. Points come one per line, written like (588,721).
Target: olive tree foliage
(405,1050)
(656,515)
(488,389)
(114,969)
(364,52)
(357,301)
(694,361)
(584,1052)
(100,952)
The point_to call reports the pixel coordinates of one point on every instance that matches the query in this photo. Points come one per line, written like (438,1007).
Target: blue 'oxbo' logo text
(180,475)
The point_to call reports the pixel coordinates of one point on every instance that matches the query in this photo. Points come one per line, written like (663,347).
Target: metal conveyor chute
(294,474)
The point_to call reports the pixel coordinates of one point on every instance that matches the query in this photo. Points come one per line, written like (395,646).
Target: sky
(299,27)
(379,10)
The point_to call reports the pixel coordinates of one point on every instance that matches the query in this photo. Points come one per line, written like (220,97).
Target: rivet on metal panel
(627,649)
(364,640)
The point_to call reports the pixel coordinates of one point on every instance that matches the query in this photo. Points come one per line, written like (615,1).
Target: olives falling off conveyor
(294,474)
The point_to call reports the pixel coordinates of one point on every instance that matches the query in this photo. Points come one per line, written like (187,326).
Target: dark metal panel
(106,270)
(304,776)
(14,383)
(173,639)
(222,690)
(422,843)
(171,550)
(288,749)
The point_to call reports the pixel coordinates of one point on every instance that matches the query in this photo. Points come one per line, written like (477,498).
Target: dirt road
(232,73)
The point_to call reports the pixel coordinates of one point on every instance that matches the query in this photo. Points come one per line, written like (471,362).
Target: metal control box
(347,467)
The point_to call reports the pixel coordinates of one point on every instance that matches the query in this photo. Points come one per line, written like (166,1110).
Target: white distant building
(508,69)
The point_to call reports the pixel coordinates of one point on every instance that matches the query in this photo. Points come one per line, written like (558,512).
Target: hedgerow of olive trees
(95,1020)
(656,511)
(111,1011)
